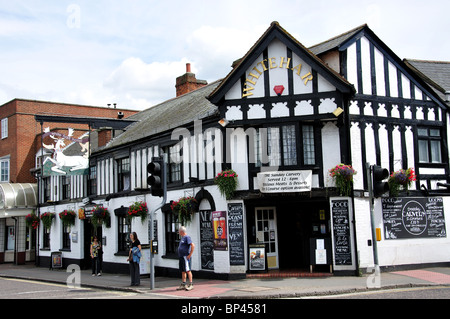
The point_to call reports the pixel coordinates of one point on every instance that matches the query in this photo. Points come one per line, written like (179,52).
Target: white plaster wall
(363,232)
(278,76)
(356,149)
(330,147)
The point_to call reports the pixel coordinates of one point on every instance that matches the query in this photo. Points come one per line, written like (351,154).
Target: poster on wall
(144,263)
(406,218)
(236,233)
(219,222)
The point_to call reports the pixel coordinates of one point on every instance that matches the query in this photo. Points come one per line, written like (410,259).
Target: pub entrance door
(266,233)
(89,232)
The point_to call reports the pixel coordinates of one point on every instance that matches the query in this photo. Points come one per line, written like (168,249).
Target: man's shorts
(185,264)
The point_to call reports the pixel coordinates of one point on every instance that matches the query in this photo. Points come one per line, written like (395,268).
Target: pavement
(249,288)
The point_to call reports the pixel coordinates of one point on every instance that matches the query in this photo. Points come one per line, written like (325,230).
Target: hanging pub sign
(406,218)
(70,155)
(285,181)
(219,220)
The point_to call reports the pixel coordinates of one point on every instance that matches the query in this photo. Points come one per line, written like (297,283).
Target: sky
(129,52)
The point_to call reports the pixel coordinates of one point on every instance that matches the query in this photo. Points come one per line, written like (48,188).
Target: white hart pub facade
(281,119)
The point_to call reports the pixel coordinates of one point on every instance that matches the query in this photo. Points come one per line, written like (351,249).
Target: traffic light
(378,186)
(157,178)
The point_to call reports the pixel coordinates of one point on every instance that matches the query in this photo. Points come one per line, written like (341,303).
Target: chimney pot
(187,82)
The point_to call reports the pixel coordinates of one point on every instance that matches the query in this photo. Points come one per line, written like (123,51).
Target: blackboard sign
(341,232)
(413,218)
(206,240)
(236,233)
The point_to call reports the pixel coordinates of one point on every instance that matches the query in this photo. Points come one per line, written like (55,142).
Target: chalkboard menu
(341,232)
(413,218)
(236,233)
(206,240)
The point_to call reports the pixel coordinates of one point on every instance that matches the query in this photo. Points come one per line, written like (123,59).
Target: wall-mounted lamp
(338,112)
(223,122)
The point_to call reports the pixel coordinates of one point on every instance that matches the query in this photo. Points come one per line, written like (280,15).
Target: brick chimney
(104,136)
(187,82)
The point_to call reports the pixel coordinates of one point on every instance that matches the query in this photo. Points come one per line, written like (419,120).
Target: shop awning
(16,196)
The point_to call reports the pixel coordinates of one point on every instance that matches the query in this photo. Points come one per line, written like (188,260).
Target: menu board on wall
(341,232)
(236,233)
(405,218)
(207,240)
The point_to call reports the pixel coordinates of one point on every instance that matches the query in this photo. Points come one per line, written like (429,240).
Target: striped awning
(16,196)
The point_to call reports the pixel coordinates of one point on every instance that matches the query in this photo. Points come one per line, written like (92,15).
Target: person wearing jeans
(133,258)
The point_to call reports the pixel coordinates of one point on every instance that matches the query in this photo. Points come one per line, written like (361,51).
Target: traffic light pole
(372,217)
(151,223)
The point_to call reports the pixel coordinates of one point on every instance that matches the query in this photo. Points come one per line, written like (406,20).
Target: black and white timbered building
(281,119)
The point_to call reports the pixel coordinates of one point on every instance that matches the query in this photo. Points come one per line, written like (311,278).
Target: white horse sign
(60,163)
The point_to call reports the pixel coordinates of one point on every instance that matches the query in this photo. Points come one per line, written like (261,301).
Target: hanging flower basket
(47,219)
(67,217)
(101,215)
(227,181)
(138,209)
(185,207)
(32,220)
(401,180)
(343,177)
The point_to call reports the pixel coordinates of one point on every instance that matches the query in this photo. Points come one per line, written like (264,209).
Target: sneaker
(190,286)
(99,274)
(182,287)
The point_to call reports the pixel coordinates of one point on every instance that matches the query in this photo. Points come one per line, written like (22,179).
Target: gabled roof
(344,40)
(336,42)
(168,115)
(435,73)
(276,31)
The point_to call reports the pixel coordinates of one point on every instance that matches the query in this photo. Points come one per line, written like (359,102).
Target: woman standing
(133,258)
(95,247)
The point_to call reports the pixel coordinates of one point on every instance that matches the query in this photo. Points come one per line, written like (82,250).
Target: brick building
(20,142)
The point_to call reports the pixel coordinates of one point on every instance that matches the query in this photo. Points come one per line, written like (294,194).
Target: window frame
(171,236)
(174,168)
(123,174)
(429,138)
(65,235)
(4,178)
(4,128)
(92,180)
(297,145)
(123,231)
(65,183)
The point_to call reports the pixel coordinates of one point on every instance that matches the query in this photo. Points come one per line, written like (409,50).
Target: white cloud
(141,82)
(131,52)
